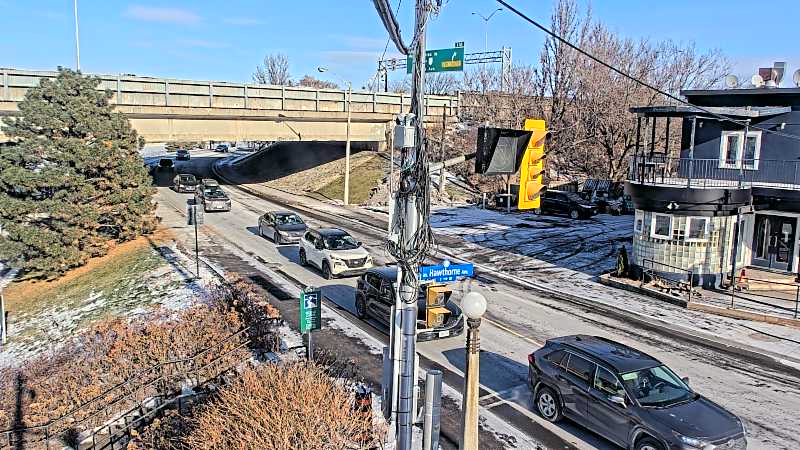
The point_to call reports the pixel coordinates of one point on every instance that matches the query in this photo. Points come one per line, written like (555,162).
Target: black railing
(659,169)
(156,381)
(650,273)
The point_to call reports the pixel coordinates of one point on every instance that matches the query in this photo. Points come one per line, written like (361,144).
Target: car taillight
(530,359)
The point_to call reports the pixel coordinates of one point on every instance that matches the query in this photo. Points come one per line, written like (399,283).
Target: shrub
(291,407)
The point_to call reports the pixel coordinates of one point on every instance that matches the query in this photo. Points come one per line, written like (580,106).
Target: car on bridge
(334,252)
(182,155)
(437,317)
(212,197)
(184,182)
(627,396)
(284,227)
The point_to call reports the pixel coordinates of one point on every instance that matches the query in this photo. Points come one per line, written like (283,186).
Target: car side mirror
(359,243)
(685,380)
(618,400)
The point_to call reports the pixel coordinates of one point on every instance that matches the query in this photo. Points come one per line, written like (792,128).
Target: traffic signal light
(435,312)
(532,167)
(500,150)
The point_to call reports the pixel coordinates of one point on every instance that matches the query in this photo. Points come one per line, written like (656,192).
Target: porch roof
(688,111)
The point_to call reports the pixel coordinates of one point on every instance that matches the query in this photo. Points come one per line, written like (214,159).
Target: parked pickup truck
(213,198)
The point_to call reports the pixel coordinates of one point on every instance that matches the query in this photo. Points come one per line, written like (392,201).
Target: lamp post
(474,306)
(347,144)
(486,27)
(77,39)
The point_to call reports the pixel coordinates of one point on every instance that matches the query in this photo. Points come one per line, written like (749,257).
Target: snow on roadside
(169,286)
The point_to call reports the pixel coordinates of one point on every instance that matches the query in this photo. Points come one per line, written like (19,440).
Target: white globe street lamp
(473,304)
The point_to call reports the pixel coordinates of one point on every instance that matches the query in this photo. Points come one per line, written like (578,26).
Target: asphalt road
(517,323)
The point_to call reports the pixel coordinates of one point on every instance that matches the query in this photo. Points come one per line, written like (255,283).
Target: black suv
(375,298)
(627,396)
(569,203)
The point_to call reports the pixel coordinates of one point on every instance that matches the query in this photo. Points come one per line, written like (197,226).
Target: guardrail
(156,381)
(687,285)
(139,91)
(714,173)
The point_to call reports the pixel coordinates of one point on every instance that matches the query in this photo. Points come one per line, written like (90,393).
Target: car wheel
(648,443)
(575,214)
(326,270)
(548,405)
(537,211)
(361,307)
(303,260)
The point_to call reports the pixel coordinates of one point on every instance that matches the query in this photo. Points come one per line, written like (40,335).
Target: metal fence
(659,169)
(160,383)
(650,273)
(769,298)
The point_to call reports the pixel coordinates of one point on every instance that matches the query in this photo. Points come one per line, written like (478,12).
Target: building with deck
(733,186)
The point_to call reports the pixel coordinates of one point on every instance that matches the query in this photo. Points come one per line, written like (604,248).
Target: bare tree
(310,81)
(588,112)
(274,70)
(441,83)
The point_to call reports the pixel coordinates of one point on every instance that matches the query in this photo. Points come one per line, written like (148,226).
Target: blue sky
(224,40)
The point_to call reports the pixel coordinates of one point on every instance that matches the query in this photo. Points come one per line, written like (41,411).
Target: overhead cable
(391,25)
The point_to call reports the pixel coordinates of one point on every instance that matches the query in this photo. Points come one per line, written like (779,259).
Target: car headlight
(694,443)
(283,233)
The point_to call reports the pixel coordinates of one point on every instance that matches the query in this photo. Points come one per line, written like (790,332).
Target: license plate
(444,334)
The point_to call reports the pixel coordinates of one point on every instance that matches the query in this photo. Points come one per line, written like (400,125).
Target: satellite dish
(731,81)
(757,80)
(796,77)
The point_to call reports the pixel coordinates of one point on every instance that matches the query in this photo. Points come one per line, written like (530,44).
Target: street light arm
(494,12)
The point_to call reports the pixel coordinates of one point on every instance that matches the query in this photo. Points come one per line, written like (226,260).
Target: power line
(639,81)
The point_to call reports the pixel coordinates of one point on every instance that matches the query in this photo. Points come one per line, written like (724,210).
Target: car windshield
(288,219)
(214,192)
(188,180)
(575,197)
(343,242)
(656,386)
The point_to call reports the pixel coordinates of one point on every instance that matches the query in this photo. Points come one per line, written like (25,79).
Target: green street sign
(310,310)
(443,60)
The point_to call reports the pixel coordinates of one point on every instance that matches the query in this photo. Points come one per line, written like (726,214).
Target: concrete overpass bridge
(167,110)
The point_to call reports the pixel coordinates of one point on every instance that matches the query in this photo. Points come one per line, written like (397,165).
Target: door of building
(773,242)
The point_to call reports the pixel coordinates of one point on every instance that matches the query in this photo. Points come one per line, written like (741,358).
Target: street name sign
(310,310)
(445,272)
(442,60)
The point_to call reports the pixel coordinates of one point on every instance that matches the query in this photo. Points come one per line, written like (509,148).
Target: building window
(661,227)
(638,223)
(696,229)
(735,152)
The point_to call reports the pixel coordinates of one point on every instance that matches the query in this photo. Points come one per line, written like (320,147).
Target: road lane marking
(509,330)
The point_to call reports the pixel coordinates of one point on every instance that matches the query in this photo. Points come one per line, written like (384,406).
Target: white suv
(334,252)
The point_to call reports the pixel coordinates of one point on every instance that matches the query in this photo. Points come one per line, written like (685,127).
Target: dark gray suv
(627,396)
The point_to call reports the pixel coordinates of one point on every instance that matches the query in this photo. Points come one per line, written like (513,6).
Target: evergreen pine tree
(72,179)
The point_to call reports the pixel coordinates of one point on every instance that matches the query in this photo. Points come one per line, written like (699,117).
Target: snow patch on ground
(33,332)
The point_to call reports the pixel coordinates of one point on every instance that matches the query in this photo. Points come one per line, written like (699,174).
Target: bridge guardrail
(132,90)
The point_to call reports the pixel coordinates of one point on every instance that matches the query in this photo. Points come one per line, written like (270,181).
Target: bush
(113,351)
(296,406)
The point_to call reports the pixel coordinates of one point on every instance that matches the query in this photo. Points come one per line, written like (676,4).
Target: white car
(334,252)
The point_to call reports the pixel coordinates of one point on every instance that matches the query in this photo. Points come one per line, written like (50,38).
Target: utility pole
(442,178)
(347,147)
(411,209)
(77,39)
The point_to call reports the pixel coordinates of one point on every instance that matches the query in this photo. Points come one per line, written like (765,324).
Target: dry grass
(114,351)
(293,407)
(365,174)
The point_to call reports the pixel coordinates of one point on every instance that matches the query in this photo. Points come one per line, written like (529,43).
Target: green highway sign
(443,60)
(310,310)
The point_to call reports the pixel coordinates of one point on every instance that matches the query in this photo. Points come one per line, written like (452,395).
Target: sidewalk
(759,340)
